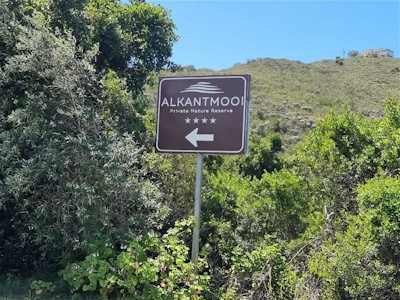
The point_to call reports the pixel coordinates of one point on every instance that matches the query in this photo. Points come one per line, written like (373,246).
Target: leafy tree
(175,175)
(134,39)
(337,156)
(353,252)
(350,268)
(68,174)
(363,263)
(262,157)
(239,215)
(379,201)
(353,53)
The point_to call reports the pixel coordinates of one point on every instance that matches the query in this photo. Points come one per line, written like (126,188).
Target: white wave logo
(203,88)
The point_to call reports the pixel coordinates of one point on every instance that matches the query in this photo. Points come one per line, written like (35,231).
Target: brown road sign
(203,114)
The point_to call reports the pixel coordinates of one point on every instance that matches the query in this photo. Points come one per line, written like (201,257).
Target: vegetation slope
(289,96)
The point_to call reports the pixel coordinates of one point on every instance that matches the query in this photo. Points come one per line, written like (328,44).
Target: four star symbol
(196,120)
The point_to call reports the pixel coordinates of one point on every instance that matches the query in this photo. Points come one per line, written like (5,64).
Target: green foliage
(379,201)
(343,152)
(81,190)
(355,257)
(241,216)
(387,140)
(262,156)
(14,287)
(274,205)
(120,111)
(41,287)
(222,202)
(134,39)
(363,263)
(338,155)
(288,206)
(392,109)
(175,175)
(263,273)
(349,269)
(67,171)
(149,267)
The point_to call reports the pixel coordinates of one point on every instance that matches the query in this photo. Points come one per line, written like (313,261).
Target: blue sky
(218,34)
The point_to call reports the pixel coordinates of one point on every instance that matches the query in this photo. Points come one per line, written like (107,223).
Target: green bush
(262,273)
(71,166)
(152,266)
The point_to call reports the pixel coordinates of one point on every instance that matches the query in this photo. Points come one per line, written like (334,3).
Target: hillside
(289,96)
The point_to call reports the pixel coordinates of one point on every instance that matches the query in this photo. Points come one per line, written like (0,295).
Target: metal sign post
(197,209)
(203,115)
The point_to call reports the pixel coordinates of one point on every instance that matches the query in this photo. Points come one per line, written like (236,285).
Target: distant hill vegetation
(289,96)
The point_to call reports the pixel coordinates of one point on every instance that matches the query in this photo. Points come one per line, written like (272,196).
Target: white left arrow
(193,137)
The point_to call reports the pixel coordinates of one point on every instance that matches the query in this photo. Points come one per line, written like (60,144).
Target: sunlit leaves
(64,179)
